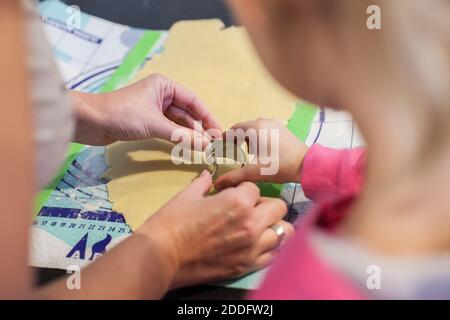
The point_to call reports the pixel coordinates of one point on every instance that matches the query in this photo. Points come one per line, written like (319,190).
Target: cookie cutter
(222,156)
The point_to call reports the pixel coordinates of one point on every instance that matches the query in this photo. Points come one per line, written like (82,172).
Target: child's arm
(328,172)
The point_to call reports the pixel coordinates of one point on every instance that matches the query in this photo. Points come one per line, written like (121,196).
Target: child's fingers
(235,177)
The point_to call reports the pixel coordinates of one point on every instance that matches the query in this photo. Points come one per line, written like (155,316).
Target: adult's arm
(138,260)
(16,157)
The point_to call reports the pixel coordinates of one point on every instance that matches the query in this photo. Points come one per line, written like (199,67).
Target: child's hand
(291,152)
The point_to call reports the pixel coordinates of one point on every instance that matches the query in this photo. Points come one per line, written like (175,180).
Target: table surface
(156,14)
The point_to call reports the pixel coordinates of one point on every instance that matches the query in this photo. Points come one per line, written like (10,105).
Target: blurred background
(153,14)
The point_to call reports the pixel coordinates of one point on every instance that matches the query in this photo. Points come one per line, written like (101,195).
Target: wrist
(162,246)
(91,118)
(302,150)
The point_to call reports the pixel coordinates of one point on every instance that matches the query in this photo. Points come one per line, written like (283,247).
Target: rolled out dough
(221,67)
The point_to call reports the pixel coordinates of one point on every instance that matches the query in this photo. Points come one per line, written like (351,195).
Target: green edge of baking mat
(121,76)
(299,125)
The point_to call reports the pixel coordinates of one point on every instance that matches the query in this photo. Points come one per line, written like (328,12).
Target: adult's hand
(151,108)
(210,238)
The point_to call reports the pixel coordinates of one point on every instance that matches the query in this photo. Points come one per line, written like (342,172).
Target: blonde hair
(416,39)
(410,52)
(422,32)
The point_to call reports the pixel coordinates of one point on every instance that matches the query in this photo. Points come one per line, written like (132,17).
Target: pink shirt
(332,179)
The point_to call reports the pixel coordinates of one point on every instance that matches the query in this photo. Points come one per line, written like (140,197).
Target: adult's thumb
(200,185)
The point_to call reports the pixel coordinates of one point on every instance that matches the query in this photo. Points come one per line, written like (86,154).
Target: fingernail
(206,142)
(204,173)
(207,135)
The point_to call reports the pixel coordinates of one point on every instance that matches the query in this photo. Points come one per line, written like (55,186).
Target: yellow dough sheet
(221,67)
